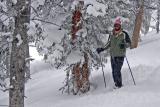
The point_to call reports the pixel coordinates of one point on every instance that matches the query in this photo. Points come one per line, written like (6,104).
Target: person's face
(117,27)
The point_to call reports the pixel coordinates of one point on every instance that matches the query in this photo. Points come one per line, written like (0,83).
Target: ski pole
(130,71)
(103,74)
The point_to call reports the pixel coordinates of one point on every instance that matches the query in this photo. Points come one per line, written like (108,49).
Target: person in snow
(118,42)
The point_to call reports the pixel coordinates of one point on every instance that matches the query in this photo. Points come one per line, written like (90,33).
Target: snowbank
(42,89)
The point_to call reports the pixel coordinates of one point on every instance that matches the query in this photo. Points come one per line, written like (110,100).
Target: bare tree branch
(47,22)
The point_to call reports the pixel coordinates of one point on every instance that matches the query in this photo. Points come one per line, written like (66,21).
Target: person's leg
(113,66)
(117,63)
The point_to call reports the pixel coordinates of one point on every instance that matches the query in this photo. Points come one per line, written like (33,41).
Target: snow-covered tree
(6,26)
(147,17)
(95,26)
(4,60)
(15,16)
(52,29)
(19,53)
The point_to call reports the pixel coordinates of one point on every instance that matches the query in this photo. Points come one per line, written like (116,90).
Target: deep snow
(42,89)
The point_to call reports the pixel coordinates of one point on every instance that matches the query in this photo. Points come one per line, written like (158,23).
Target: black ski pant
(116,64)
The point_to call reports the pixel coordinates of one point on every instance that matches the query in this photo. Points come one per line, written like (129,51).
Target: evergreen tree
(95,26)
(77,54)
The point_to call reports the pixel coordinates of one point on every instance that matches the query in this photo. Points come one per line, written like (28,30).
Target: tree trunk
(81,76)
(137,27)
(157,27)
(158,17)
(146,19)
(85,75)
(19,53)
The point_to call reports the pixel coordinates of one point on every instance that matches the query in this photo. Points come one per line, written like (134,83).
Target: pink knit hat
(118,21)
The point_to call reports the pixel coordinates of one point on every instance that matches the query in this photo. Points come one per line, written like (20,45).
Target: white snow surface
(43,89)
(14,1)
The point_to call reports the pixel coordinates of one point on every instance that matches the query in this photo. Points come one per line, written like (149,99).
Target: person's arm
(107,45)
(127,40)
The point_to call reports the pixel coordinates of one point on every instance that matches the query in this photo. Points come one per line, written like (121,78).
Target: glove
(124,45)
(99,50)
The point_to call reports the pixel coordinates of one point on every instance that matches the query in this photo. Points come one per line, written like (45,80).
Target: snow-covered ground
(43,89)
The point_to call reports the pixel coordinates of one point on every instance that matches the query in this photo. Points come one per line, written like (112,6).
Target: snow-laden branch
(41,20)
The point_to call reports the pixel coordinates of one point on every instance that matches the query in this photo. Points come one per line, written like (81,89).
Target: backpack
(127,38)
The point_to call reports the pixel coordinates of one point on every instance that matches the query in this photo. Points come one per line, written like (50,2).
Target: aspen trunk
(19,53)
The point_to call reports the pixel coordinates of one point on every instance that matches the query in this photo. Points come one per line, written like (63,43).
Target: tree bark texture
(137,27)
(79,73)
(76,18)
(19,53)
(81,76)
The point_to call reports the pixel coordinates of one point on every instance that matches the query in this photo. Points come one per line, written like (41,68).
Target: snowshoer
(118,42)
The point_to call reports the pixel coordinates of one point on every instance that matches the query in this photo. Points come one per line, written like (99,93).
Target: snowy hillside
(43,89)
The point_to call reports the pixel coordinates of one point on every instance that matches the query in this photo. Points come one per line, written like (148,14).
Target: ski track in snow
(42,89)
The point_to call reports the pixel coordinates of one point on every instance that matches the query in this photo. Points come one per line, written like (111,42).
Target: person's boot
(117,86)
